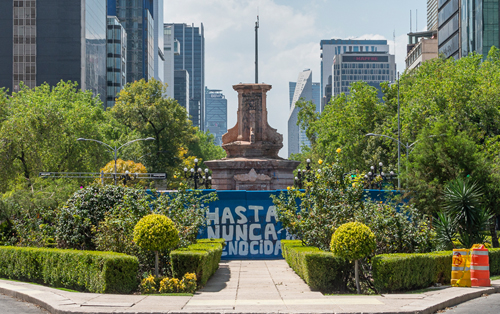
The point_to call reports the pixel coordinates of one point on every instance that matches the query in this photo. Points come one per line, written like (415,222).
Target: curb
(28,298)
(457,300)
(428,310)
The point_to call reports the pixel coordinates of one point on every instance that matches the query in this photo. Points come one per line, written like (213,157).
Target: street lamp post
(197,177)
(115,150)
(372,175)
(399,154)
(408,151)
(301,174)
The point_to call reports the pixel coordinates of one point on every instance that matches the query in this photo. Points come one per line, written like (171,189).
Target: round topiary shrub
(353,241)
(156,233)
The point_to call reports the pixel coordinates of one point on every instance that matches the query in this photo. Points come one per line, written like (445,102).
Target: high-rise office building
(449,28)
(116,61)
(215,113)
(479,26)
(332,47)
(432,15)
(303,89)
(423,46)
(171,48)
(370,67)
(467,26)
(143,23)
(181,88)
(53,40)
(192,59)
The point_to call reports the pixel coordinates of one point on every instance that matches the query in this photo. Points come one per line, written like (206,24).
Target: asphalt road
(14,306)
(485,305)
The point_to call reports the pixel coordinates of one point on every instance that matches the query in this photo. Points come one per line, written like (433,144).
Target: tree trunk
(356,274)
(156,264)
(493,231)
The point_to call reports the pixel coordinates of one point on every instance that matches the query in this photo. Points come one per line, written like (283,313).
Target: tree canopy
(449,121)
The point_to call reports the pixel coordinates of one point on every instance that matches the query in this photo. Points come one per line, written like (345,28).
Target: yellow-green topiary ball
(353,241)
(156,233)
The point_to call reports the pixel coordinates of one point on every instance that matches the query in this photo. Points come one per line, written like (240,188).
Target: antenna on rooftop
(410,21)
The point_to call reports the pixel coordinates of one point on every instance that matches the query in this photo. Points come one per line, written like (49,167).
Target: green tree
(39,131)
(203,146)
(143,108)
(344,123)
(449,111)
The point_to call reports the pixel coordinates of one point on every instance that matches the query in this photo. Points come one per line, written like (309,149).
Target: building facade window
(24,47)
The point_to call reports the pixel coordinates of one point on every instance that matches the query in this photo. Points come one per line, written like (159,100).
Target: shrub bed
(494,256)
(321,270)
(398,272)
(201,258)
(98,272)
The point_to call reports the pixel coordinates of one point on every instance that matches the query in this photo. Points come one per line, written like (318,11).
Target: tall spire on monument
(257,51)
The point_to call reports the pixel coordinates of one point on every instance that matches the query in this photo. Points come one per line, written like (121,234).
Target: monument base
(252,173)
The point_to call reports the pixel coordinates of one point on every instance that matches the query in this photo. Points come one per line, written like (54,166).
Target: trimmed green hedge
(397,272)
(93,271)
(201,258)
(321,270)
(494,256)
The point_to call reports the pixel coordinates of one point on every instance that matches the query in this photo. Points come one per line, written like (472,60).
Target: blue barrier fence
(247,221)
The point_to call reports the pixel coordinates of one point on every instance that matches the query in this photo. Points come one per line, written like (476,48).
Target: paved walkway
(244,287)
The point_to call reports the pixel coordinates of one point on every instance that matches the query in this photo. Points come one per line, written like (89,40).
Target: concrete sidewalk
(244,287)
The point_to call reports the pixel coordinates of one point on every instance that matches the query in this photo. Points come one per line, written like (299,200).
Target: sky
(290,32)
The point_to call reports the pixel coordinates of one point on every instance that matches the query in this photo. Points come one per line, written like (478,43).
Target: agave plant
(464,216)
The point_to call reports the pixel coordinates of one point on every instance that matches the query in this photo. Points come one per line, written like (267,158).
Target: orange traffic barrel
(480,268)
(460,268)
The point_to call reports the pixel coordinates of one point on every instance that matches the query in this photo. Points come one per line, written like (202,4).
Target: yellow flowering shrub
(148,285)
(189,282)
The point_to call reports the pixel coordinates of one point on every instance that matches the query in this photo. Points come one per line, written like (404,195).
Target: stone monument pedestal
(252,147)
(252,173)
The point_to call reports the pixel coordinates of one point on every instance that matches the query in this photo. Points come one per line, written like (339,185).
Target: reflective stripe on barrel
(459,268)
(477,252)
(475,267)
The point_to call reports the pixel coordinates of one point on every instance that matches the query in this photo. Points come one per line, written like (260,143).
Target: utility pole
(399,144)
(257,51)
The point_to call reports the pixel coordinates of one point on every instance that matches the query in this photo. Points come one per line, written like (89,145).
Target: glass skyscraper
(467,26)
(479,26)
(216,113)
(142,20)
(304,89)
(449,28)
(39,44)
(116,61)
(191,58)
(181,88)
